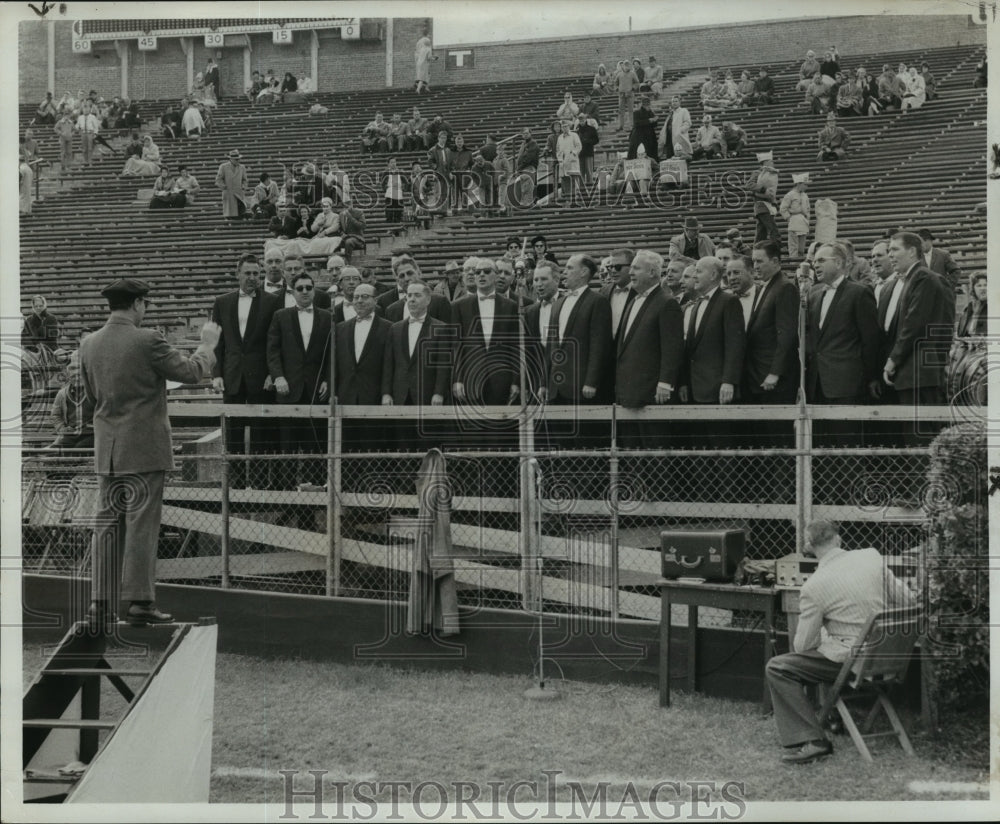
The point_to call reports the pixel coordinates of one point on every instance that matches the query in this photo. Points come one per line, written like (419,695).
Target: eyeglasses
(483,271)
(303,288)
(618,266)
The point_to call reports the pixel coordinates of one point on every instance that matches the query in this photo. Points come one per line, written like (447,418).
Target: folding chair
(876,663)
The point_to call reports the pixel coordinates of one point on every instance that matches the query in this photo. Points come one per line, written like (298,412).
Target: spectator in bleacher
(64,129)
(890,89)
(29,148)
(88,125)
(525,167)
(202,92)
(437,127)
(192,122)
(327,222)
(731,96)
(602,80)
(869,93)
(916,93)
(691,242)
(589,138)
(166,195)
(930,84)
(170,122)
(849,97)
(399,133)
(810,66)
(734,139)
(257,85)
(418,127)
(675,135)
(187,183)
(482,166)
(764,92)
(735,237)
(643,131)
(550,141)
(710,89)
(461,165)
(231,179)
(834,141)
(451,285)
(212,78)
(539,251)
(26,181)
(46,112)
(982,74)
(337,184)
(938,260)
(745,89)
(264,203)
(590,108)
(41,327)
(764,191)
(503,169)
(653,82)
(709,142)
(284,225)
(146,166)
(72,414)
(133,148)
(925,305)
(830,66)
(626,83)
(818,95)
(289,83)
(271,90)
(352,230)
(375,136)
(795,210)
(567,155)
(440,158)
(568,110)
(973,322)
(422,55)
(393,195)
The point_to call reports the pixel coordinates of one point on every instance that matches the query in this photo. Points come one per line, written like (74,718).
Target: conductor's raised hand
(210,332)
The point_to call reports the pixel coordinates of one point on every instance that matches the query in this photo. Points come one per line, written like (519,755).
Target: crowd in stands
(270,89)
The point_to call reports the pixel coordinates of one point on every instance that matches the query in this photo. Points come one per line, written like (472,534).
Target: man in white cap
(795,210)
(232,180)
(765,198)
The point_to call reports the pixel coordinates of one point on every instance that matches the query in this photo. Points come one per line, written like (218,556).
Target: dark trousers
(264,437)
(787,676)
(767,229)
(647,139)
(69,440)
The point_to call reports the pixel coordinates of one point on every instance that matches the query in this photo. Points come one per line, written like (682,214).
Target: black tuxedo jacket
(321,298)
(414,380)
(487,372)
(535,355)
(772,342)
(386,299)
(651,352)
(287,357)
(241,361)
(440,308)
(714,354)
(842,357)
(359,380)
(925,321)
(580,359)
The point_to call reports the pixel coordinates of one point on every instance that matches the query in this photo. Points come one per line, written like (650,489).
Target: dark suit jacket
(943,264)
(714,355)
(287,357)
(359,380)
(321,298)
(926,319)
(843,356)
(413,381)
(440,308)
(535,355)
(487,372)
(887,337)
(651,352)
(441,160)
(242,362)
(386,299)
(772,342)
(580,359)
(606,291)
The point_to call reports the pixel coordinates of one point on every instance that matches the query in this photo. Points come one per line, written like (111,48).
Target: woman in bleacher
(290,83)
(601,80)
(326,224)
(41,327)
(745,88)
(166,195)
(187,183)
(869,93)
(192,122)
(818,95)
(568,110)
(830,66)
(916,93)
(148,165)
(930,84)
(972,323)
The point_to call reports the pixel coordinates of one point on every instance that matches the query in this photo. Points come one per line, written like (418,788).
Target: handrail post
(224,508)
(333,503)
(613,480)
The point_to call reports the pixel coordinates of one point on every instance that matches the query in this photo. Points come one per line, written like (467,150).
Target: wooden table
(720,596)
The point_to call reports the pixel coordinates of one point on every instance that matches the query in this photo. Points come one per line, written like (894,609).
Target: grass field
(376,723)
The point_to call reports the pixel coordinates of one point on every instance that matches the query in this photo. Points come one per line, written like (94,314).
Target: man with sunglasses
(124,370)
(298,352)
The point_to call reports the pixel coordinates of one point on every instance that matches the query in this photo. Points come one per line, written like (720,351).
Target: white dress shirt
(544,318)
(702,306)
(618,299)
(362,328)
(290,299)
(413,328)
(272,290)
(637,304)
(487,311)
(746,302)
(243,304)
(568,303)
(349,311)
(306,317)
(828,299)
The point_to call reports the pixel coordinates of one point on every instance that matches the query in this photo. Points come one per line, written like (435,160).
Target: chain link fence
(341,522)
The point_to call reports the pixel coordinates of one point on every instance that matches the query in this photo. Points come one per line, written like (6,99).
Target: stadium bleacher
(918,169)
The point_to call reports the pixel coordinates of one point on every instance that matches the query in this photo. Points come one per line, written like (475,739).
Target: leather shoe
(141,616)
(100,616)
(809,752)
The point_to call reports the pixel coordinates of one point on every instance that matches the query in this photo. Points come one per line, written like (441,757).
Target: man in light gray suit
(125,369)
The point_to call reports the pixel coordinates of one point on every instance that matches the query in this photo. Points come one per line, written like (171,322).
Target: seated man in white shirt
(836,602)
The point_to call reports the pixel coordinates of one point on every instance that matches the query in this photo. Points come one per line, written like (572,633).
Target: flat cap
(126,287)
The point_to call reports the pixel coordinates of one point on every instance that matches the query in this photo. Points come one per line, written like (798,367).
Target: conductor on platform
(125,369)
